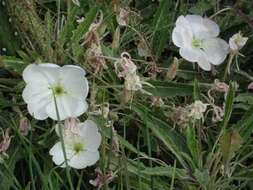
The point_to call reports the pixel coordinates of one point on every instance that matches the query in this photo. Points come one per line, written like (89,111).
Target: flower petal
(215,50)
(57,153)
(89,132)
(42,73)
(191,55)
(204,64)
(58,157)
(202,27)
(182,33)
(84,159)
(37,97)
(68,106)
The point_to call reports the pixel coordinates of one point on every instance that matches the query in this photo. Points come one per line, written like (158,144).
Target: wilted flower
(102,110)
(220,86)
(95,58)
(24,126)
(81,146)
(218,113)
(6,140)
(157,101)
(143,49)
(47,83)
(237,41)
(102,179)
(198,42)
(133,82)
(123,17)
(197,109)
(125,66)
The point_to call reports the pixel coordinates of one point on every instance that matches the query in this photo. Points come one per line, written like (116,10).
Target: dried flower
(102,179)
(123,17)
(6,141)
(157,101)
(125,66)
(220,86)
(196,110)
(95,58)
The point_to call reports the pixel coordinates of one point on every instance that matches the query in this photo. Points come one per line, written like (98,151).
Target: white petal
(182,33)
(191,55)
(72,72)
(37,98)
(57,153)
(215,50)
(58,157)
(202,27)
(84,159)
(68,106)
(43,73)
(77,88)
(204,64)
(89,132)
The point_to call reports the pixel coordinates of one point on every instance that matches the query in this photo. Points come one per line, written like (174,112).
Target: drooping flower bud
(220,86)
(237,41)
(24,126)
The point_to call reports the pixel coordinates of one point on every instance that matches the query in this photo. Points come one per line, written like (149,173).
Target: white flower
(67,83)
(197,39)
(196,109)
(81,148)
(237,41)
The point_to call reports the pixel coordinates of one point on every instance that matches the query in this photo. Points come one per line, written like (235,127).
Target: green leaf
(164,171)
(192,143)
(228,105)
(196,91)
(174,141)
(229,143)
(245,125)
(202,177)
(169,89)
(162,20)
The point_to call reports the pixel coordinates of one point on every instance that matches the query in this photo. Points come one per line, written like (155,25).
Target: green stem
(230,60)
(63,145)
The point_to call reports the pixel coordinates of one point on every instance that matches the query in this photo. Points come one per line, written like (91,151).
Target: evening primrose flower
(237,41)
(48,82)
(81,145)
(198,42)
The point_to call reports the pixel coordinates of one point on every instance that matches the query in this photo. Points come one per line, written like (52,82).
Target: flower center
(58,90)
(78,147)
(196,43)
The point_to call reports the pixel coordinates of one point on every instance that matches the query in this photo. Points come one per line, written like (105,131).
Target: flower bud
(24,126)
(237,41)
